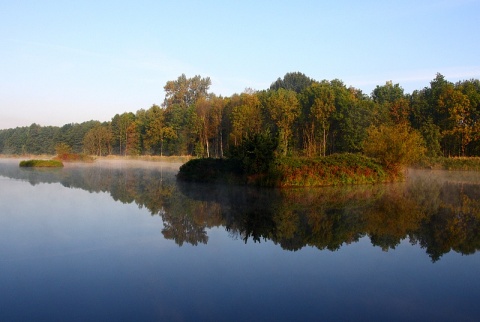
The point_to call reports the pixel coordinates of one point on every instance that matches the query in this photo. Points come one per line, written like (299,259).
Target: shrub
(72,157)
(336,169)
(394,146)
(63,148)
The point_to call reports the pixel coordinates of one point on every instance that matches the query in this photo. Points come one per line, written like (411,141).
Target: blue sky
(74,61)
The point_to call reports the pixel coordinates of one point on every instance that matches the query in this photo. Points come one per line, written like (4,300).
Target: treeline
(305,116)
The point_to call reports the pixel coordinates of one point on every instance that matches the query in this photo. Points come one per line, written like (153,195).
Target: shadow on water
(440,211)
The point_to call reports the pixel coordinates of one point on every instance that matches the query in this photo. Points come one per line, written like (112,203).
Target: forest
(307,118)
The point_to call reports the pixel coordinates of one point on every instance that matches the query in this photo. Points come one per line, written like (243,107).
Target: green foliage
(353,114)
(296,82)
(387,93)
(255,153)
(73,134)
(431,135)
(253,156)
(186,91)
(318,103)
(156,130)
(41,163)
(121,130)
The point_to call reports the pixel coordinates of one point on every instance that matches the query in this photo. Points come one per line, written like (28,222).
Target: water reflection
(440,211)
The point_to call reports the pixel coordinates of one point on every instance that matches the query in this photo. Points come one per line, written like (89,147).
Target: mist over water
(127,232)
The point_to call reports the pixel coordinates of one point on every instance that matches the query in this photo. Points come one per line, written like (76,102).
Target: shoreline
(148,158)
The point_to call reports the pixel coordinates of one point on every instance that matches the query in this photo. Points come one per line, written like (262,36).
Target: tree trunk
(221,144)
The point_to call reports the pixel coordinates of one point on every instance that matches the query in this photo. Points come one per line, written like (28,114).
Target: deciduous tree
(283,108)
(318,102)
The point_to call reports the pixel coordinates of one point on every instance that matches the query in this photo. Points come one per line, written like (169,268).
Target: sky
(73,61)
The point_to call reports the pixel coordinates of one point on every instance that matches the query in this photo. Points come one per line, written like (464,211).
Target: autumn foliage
(394,146)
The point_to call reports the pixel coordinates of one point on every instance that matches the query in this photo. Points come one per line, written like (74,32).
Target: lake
(124,241)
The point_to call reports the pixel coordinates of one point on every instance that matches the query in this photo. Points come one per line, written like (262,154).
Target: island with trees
(297,125)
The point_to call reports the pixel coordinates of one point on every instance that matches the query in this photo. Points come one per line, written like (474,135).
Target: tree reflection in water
(439,213)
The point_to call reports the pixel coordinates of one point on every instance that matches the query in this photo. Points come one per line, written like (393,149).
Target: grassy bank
(41,163)
(337,169)
(90,158)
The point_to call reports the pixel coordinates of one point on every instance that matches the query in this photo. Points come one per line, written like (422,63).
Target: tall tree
(132,143)
(157,130)
(318,101)
(354,113)
(186,91)
(202,110)
(97,140)
(393,105)
(180,98)
(283,109)
(457,123)
(216,121)
(246,117)
(120,128)
(471,89)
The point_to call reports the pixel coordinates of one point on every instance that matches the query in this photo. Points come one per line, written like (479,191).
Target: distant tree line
(305,116)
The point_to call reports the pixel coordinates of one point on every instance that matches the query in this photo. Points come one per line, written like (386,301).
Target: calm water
(116,241)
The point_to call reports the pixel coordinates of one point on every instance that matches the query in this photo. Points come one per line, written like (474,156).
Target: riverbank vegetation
(65,154)
(336,169)
(256,161)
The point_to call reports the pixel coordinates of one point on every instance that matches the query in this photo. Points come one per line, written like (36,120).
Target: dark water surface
(114,241)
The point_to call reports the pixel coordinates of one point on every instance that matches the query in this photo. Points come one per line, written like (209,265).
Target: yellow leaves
(457,109)
(394,146)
